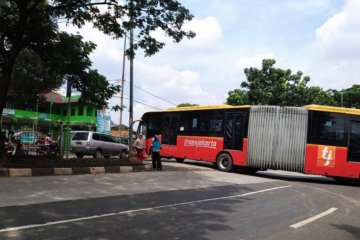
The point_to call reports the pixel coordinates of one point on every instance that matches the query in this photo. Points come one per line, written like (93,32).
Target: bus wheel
(179,160)
(224,162)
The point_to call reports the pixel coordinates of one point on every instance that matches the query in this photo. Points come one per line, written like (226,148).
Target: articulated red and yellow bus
(313,139)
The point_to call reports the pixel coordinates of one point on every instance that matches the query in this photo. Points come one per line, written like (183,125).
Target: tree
(351,96)
(68,59)
(187,105)
(238,97)
(274,86)
(316,95)
(32,25)
(30,72)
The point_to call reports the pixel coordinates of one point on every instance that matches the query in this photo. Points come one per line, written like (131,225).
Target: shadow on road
(173,221)
(278,175)
(355,231)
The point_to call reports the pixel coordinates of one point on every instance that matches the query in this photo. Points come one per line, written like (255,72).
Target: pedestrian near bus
(156,147)
(139,146)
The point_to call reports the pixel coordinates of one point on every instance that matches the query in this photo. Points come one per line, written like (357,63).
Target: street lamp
(342,98)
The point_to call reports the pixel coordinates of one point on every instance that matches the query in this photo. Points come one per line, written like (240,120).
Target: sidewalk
(48,167)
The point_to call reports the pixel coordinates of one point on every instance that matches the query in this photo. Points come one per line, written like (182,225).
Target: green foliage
(119,18)
(351,97)
(30,72)
(274,86)
(187,105)
(94,88)
(316,95)
(66,59)
(238,97)
(30,27)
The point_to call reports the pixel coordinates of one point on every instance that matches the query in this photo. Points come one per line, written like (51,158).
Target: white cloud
(171,84)
(174,85)
(208,33)
(107,57)
(250,61)
(331,28)
(336,49)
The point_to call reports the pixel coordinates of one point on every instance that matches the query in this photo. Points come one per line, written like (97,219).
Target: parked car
(96,144)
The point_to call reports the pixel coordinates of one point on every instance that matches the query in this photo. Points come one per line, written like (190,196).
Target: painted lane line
(309,220)
(137,210)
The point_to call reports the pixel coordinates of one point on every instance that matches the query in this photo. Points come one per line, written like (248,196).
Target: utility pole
(68,95)
(122,86)
(131,91)
(131,78)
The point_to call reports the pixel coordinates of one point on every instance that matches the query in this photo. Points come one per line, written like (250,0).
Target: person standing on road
(139,146)
(156,147)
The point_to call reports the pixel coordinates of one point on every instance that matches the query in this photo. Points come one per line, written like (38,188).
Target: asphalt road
(186,201)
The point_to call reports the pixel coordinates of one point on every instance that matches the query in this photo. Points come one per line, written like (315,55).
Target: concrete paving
(22,191)
(186,201)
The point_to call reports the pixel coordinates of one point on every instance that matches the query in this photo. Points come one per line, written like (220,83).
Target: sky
(317,37)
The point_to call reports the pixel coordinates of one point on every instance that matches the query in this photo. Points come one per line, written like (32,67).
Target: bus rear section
(312,140)
(333,142)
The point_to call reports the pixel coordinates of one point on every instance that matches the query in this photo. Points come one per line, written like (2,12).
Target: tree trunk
(5,78)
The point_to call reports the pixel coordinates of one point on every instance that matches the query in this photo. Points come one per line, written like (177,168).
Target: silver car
(96,144)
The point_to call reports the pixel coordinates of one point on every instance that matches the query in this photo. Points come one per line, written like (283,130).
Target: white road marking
(309,220)
(137,210)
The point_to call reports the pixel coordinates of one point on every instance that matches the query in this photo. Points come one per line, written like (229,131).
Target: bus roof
(224,106)
(209,107)
(321,108)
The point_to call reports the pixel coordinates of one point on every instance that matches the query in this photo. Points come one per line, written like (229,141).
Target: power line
(142,103)
(150,93)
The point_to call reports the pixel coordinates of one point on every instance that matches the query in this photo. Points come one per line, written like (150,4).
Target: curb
(32,172)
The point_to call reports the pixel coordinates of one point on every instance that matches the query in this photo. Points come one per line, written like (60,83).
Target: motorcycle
(52,149)
(15,148)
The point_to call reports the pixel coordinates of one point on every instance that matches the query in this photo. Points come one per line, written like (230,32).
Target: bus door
(354,142)
(170,128)
(234,131)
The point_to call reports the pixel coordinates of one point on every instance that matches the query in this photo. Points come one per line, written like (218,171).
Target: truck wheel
(98,154)
(224,162)
(179,160)
(78,155)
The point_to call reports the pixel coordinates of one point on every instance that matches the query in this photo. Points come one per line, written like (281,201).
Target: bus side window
(154,125)
(328,129)
(189,123)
